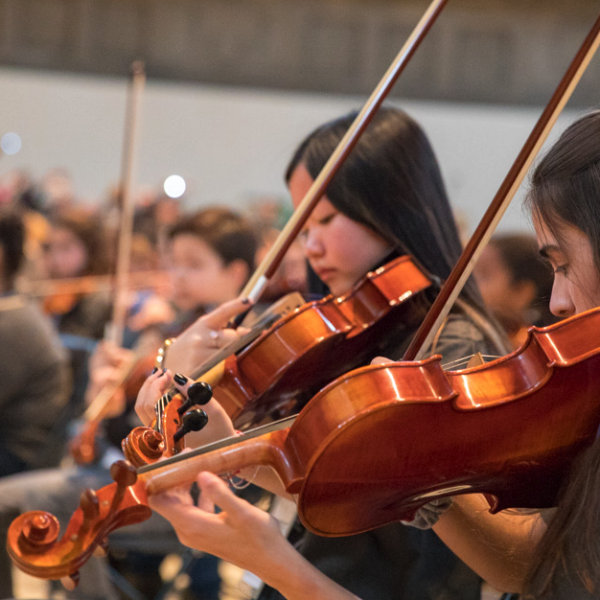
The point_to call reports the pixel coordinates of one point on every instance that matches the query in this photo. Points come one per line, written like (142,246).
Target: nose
(561,302)
(178,274)
(313,245)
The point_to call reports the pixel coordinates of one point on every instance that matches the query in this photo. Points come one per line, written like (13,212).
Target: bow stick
(138,81)
(268,266)
(464,267)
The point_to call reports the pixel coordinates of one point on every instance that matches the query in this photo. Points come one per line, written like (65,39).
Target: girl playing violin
(387,199)
(555,554)
(76,247)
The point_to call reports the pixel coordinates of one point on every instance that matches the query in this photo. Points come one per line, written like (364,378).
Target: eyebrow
(548,249)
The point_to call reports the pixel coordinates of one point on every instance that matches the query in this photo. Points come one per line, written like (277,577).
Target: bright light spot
(10,143)
(174,186)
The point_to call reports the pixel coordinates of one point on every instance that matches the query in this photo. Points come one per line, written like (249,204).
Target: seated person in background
(210,256)
(34,369)
(76,247)
(515,284)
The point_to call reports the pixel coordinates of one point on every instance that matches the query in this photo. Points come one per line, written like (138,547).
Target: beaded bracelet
(241,483)
(162,353)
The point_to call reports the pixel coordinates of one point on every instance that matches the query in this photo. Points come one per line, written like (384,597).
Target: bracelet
(162,353)
(242,483)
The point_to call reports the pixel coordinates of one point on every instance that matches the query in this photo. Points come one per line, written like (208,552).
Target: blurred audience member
(76,247)
(35,376)
(57,193)
(515,284)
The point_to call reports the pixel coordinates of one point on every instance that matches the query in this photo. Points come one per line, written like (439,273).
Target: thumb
(381,360)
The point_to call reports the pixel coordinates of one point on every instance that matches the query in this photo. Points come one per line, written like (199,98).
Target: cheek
(586,297)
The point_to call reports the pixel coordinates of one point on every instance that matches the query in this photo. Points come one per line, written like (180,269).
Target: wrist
(296,579)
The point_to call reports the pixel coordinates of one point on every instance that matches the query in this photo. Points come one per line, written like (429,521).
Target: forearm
(499,547)
(296,579)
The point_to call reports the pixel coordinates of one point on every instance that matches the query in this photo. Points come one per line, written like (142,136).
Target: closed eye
(327,218)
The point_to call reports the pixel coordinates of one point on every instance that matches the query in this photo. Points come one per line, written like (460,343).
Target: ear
(239,272)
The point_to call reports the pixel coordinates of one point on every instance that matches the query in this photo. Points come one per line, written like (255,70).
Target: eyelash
(324,221)
(562,269)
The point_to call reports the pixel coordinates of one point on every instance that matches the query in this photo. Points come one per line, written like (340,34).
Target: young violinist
(553,555)
(387,199)
(515,284)
(210,256)
(76,247)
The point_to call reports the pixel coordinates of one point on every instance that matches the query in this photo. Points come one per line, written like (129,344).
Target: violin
(438,433)
(276,374)
(319,460)
(83,447)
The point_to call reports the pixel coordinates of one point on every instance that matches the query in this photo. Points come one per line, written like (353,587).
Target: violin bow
(82,446)
(462,270)
(138,80)
(274,256)
(88,284)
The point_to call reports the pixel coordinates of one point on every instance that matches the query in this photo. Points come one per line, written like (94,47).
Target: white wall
(233,145)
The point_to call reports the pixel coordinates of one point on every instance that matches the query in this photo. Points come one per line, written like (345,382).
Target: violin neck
(265,450)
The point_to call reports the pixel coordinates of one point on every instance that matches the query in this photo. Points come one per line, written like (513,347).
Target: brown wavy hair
(88,228)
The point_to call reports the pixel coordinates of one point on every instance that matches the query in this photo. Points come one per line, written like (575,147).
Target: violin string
(229,441)
(463,361)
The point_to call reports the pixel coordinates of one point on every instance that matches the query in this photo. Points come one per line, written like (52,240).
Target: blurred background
(234,84)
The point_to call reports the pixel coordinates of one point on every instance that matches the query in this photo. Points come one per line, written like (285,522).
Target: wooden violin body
(378,443)
(509,429)
(283,368)
(83,447)
(280,371)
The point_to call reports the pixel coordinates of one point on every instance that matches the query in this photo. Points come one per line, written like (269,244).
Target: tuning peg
(70,582)
(88,502)
(101,549)
(198,393)
(123,473)
(193,420)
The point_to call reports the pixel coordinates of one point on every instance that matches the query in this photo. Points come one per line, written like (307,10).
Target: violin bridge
(475,360)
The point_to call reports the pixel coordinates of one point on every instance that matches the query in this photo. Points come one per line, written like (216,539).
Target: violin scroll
(146,445)
(143,446)
(33,542)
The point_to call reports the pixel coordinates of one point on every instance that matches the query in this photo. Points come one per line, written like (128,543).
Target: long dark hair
(565,189)
(12,240)
(391,183)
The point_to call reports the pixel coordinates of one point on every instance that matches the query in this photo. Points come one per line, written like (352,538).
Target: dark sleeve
(459,339)
(35,386)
